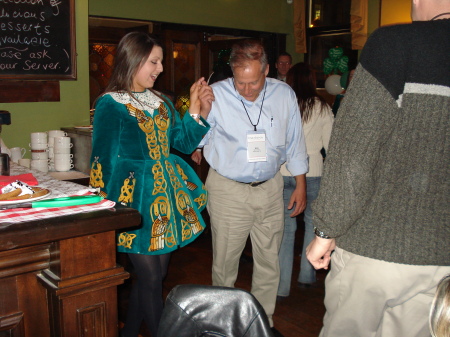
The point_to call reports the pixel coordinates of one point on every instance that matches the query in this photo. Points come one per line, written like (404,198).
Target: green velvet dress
(131,164)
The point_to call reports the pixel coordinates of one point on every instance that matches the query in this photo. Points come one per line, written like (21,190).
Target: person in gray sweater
(383,204)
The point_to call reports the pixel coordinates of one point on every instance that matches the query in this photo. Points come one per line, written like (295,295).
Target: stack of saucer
(62,158)
(39,148)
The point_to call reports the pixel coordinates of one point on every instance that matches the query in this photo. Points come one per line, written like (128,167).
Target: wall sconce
(290,2)
(175,54)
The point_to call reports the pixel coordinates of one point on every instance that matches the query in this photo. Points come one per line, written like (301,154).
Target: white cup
(63,166)
(51,141)
(56,133)
(62,142)
(51,152)
(39,155)
(39,137)
(25,162)
(62,157)
(17,153)
(38,146)
(61,150)
(40,165)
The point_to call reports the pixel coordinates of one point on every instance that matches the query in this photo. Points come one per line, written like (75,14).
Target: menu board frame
(37,40)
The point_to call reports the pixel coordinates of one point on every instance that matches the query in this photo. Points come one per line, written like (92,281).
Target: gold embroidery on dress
(162,231)
(190,224)
(127,190)
(147,125)
(96,176)
(201,200)
(163,122)
(160,184)
(190,185)
(126,239)
(176,184)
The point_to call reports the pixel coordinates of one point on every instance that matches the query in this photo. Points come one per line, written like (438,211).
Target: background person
(282,65)
(134,128)
(255,127)
(384,195)
(317,121)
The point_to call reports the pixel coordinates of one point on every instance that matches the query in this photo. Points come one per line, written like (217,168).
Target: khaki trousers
(238,210)
(371,298)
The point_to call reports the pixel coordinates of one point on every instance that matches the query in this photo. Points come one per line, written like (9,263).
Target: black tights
(146,302)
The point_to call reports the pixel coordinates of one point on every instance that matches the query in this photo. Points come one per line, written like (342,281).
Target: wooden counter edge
(24,234)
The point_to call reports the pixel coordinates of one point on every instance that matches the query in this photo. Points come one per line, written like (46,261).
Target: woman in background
(134,127)
(317,120)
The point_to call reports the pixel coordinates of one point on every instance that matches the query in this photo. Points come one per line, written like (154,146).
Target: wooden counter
(59,277)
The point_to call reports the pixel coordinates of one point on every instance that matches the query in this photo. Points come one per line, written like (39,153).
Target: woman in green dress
(134,128)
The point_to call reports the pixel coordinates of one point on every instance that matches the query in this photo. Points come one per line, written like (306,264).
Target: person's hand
(194,100)
(201,98)
(197,156)
(298,196)
(206,96)
(319,251)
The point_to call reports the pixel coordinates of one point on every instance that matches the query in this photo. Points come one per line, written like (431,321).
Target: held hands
(201,98)
(319,252)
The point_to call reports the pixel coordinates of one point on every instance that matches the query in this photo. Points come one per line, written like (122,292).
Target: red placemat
(30,214)
(26,178)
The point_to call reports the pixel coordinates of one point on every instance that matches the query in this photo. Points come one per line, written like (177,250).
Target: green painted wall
(73,109)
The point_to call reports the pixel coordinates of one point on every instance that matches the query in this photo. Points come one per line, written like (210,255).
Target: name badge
(256,146)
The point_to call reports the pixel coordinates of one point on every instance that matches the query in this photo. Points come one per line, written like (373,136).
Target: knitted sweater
(385,188)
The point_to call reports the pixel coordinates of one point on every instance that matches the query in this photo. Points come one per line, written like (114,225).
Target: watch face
(320,234)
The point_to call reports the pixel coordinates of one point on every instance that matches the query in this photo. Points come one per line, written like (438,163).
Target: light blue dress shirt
(225,145)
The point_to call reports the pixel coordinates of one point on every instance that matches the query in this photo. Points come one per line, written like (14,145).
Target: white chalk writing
(34,36)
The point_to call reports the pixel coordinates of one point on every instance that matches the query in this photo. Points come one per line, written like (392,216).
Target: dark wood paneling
(59,277)
(29,91)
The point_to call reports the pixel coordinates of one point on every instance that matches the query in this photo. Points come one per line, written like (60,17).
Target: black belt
(255,183)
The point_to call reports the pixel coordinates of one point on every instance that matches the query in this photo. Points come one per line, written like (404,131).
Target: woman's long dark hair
(132,52)
(302,79)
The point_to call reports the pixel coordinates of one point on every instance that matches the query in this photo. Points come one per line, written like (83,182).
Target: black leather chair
(206,311)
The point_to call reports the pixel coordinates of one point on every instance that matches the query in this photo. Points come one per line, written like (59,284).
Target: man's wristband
(320,234)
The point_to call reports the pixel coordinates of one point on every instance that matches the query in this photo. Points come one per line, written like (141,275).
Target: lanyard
(260,110)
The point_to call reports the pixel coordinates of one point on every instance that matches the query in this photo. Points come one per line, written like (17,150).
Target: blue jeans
(307,271)
(286,254)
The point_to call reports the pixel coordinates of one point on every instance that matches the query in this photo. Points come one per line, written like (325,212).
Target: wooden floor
(299,315)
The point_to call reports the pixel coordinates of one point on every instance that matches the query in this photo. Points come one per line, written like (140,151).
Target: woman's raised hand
(201,98)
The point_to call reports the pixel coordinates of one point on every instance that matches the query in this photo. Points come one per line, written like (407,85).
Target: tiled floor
(299,315)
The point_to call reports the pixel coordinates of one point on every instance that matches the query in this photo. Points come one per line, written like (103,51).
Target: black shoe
(281,298)
(276,333)
(304,285)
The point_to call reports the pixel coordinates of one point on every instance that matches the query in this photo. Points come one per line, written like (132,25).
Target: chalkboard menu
(37,39)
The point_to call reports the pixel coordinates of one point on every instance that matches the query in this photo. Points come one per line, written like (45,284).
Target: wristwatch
(320,234)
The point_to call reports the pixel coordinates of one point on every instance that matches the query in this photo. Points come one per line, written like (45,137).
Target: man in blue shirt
(255,127)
